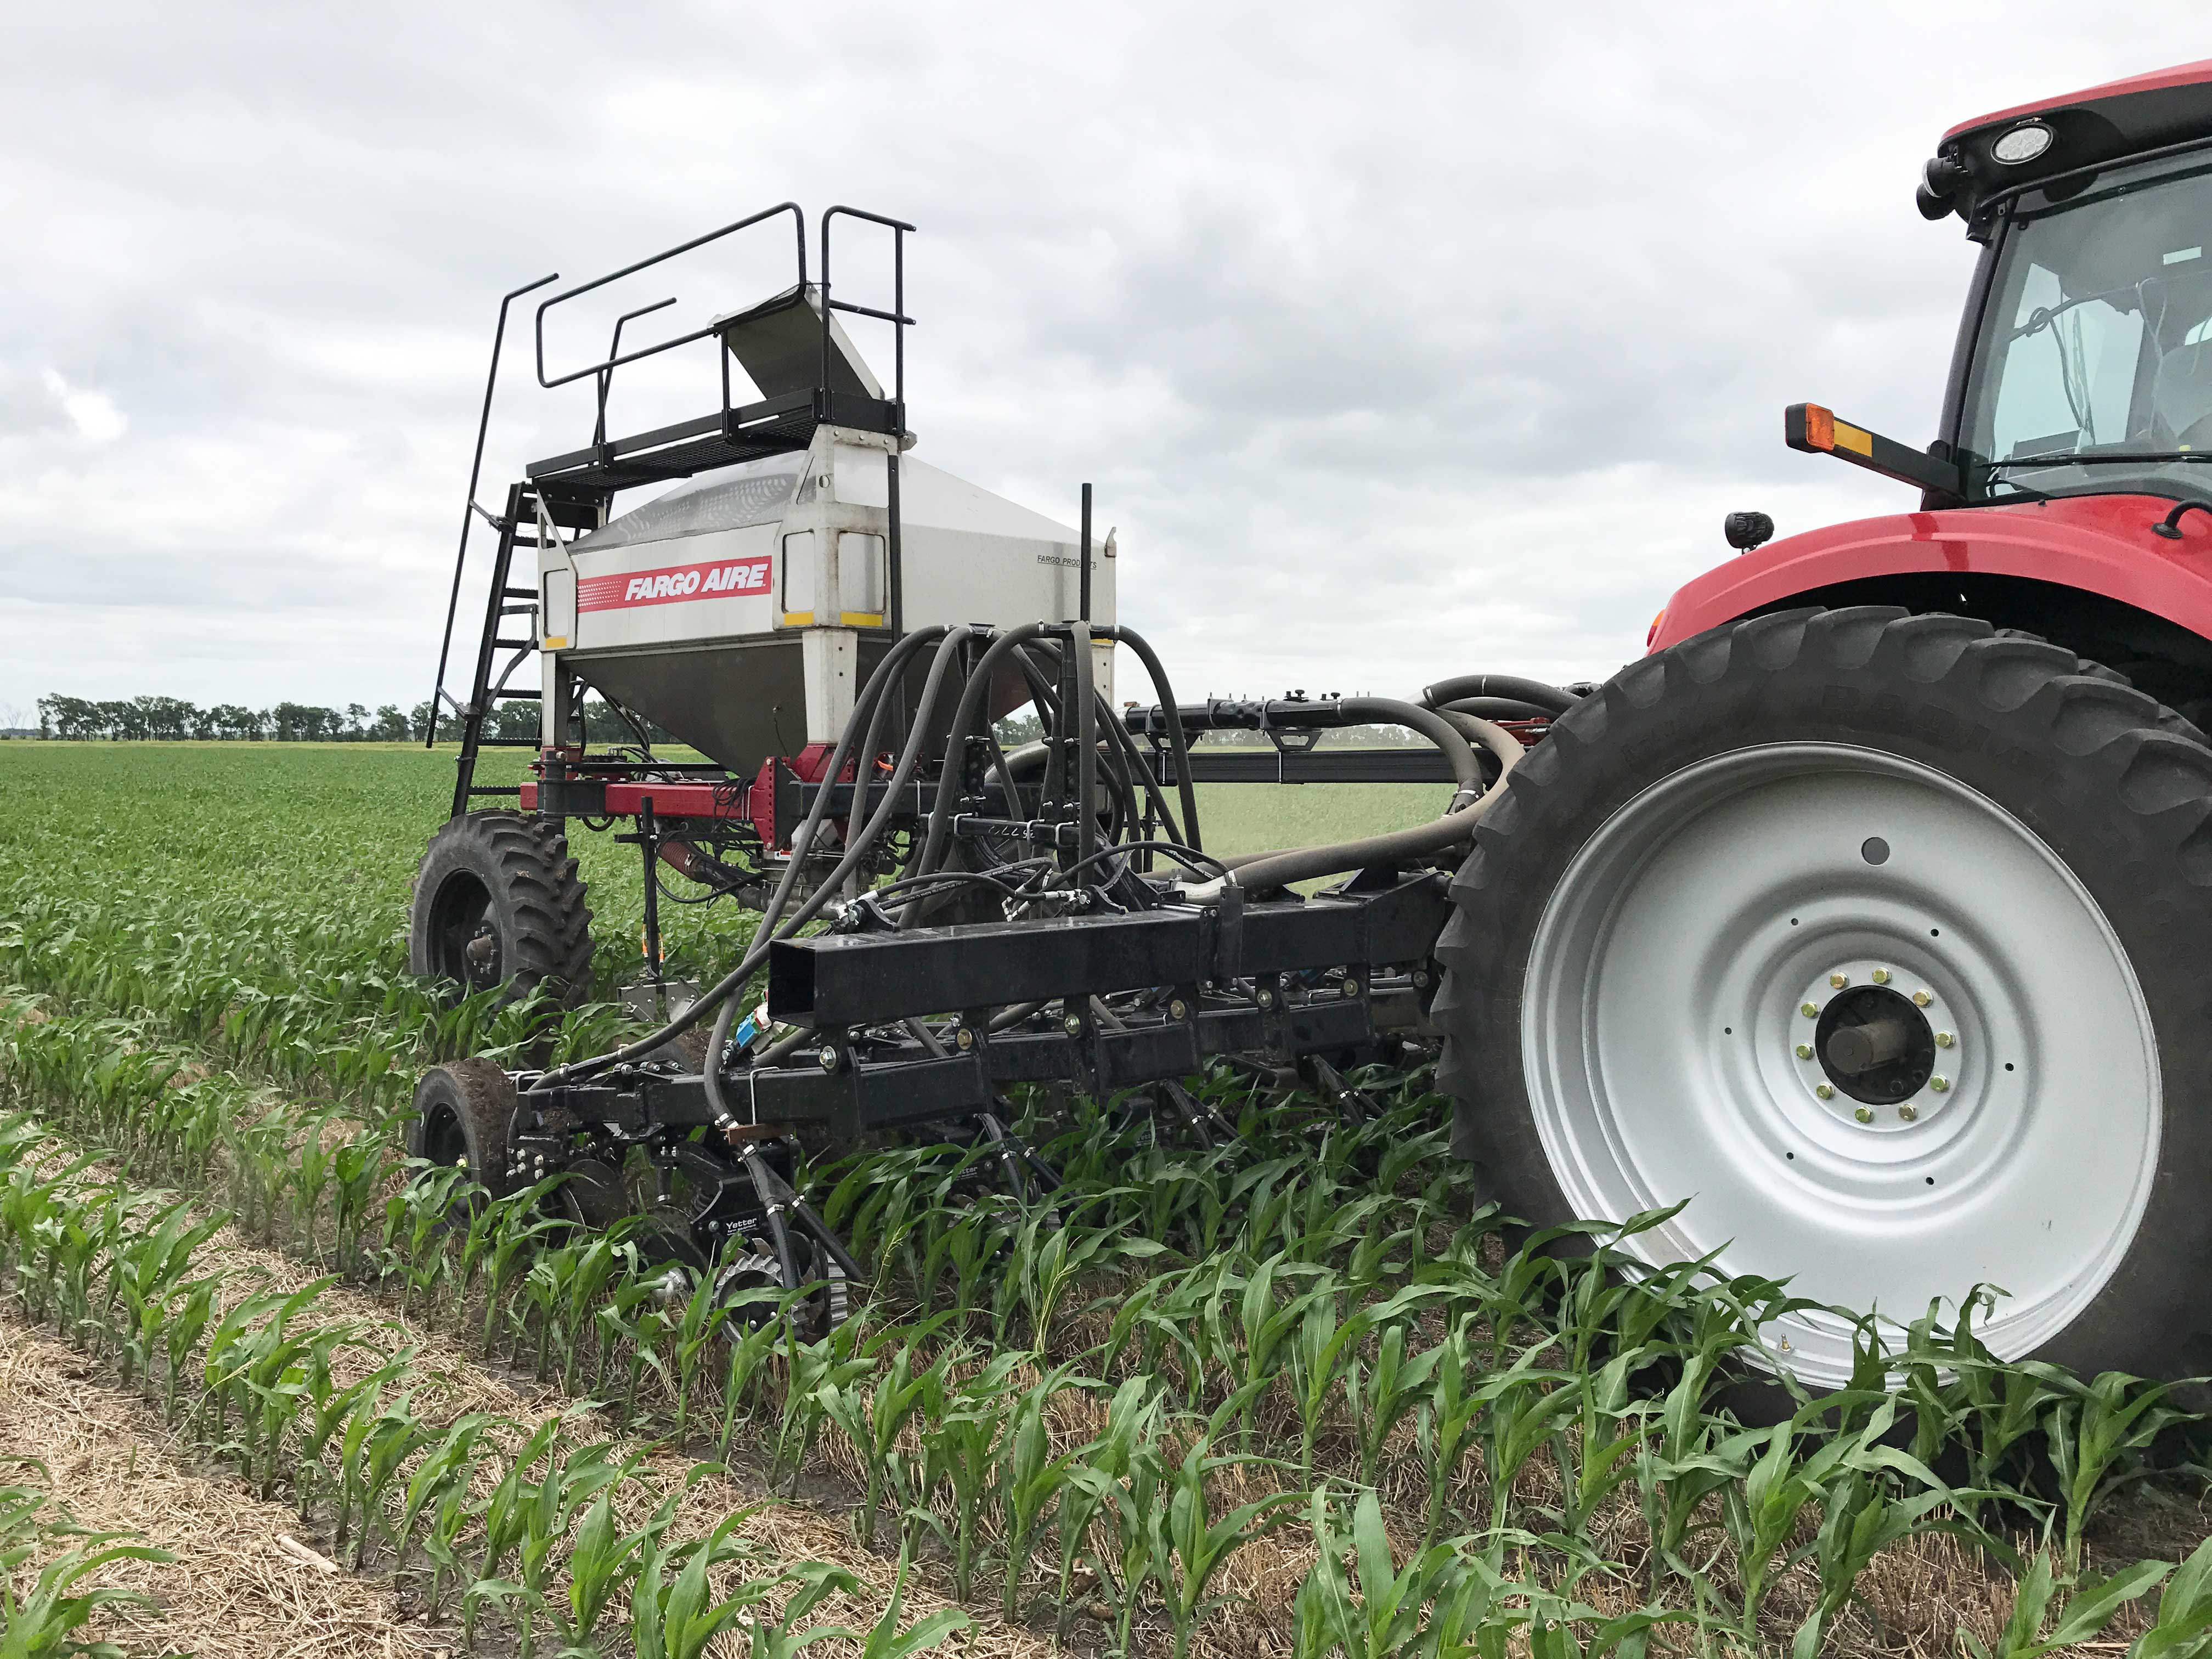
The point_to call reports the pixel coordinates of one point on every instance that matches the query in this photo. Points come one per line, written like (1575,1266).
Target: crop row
(1325,1303)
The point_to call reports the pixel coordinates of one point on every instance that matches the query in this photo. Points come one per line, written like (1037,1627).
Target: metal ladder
(501,602)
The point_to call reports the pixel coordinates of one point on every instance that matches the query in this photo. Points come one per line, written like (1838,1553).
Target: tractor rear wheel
(1878,938)
(498,903)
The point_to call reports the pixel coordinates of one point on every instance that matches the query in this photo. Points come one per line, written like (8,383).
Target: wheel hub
(1865,1050)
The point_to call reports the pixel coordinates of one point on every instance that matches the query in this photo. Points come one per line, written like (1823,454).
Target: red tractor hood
(2100,545)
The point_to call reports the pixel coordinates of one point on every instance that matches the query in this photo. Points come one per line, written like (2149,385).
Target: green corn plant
(603,1560)
(328,1405)
(47,1619)
(569,1485)
(817,1372)
(1264,1322)
(1033,1476)
(885,1639)
(446,1470)
(358,1169)
(598,1262)
(416,1215)
(275,1384)
(187,1322)
(756,1320)
(1382,1399)
(1128,1441)
(634,1320)
(2098,1434)
(2032,1631)
(778,1633)
(2183,1626)
(1124,1486)
(959,1450)
(379,1437)
(700,1327)
(1419,1611)
(146,1275)
(873,1420)
(1596,1457)
(506,1520)
(677,1618)
(1196,1542)
(1523,1408)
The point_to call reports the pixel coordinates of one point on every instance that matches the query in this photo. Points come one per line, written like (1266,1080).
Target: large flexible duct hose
(1499,685)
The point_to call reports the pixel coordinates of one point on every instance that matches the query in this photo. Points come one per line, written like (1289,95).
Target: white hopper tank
(740,609)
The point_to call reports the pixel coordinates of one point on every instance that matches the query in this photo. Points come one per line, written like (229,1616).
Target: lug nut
(1804,1051)
(827,1057)
(1908,1113)
(1865,1114)
(1822,1091)
(1939,1084)
(1944,1039)
(1921,999)
(1810,1010)
(1839,980)
(1881,975)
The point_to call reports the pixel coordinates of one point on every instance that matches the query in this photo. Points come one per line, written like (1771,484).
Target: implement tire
(497,902)
(465,1114)
(1879,939)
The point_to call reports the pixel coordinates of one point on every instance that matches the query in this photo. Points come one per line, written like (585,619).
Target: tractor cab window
(2093,371)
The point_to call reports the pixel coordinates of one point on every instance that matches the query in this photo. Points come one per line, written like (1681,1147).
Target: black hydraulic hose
(1269,870)
(1164,697)
(1499,685)
(720,991)
(909,759)
(1086,737)
(900,655)
(963,719)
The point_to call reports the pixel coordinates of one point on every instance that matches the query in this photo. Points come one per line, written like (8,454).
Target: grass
(1297,1394)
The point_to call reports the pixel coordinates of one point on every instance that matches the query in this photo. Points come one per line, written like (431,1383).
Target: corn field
(1301,1393)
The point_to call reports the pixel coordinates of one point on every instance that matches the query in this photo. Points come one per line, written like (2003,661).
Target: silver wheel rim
(1664,1030)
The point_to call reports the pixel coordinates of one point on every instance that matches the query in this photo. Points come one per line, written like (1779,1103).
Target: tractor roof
(2079,130)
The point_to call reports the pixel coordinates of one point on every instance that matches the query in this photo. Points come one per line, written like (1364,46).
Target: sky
(1398,340)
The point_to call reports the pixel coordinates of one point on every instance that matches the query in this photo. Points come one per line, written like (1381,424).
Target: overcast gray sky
(1399,339)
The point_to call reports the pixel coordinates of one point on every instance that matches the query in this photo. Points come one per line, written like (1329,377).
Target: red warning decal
(717,579)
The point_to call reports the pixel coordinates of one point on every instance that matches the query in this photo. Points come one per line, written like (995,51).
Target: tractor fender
(2100,545)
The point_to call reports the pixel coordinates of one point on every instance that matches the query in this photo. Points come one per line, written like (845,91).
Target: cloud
(1398,340)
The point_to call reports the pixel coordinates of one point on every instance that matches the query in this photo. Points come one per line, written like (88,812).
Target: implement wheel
(1878,937)
(498,903)
(465,1114)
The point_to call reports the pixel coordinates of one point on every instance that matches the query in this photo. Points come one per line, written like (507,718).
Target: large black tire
(465,1114)
(2118,788)
(497,902)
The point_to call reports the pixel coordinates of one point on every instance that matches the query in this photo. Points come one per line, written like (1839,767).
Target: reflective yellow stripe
(1855,439)
(555,642)
(799,619)
(861,618)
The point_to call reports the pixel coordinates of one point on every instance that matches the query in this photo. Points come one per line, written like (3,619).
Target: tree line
(173,719)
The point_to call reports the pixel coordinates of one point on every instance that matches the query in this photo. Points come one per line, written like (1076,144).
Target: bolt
(1865,1114)
(963,1039)
(1944,1039)
(1421,978)
(1804,1051)
(1073,1026)
(1822,1091)
(1921,999)
(1811,1010)
(1839,980)
(1939,1084)
(1881,975)
(829,1057)
(1786,1344)
(1178,1009)
(1266,998)
(1350,986)
(1908,1113)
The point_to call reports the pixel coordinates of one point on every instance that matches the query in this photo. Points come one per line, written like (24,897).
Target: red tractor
(1868,912)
